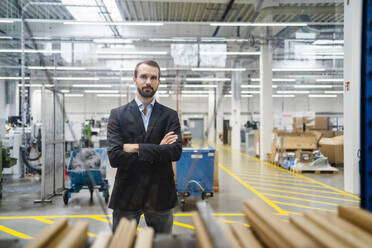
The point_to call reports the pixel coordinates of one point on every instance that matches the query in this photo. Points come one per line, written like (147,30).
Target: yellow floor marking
(101,219)
(91,235)
(301,199)
(301,189)
(282,182)
(183,225)
(312,195)
(302,206)
(15,233)
(230,221)
(245,184)
(298,175)
(279,178)
(43,220)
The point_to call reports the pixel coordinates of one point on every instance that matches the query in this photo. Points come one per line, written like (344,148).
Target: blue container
(195,171)
(79,178)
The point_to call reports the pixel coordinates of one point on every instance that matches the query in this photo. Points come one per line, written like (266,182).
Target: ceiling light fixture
(200,86)
(323,96)
(134,52)
(72,68)
(299,69)
(208,79)
(230,53)
(77,78)
(115,41)
(218,69)
(91,85)
(101,91)
(286,96)
(257,24)
(293,92)
(334,92)
(110,95)
(114,23)
(313,86)
(74,95)
(28,51)
(330,80)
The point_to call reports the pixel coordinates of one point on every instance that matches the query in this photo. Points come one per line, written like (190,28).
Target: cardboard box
(333,148)
(257,142)
(298,124)
(298,142)
(305,156)
(321,123)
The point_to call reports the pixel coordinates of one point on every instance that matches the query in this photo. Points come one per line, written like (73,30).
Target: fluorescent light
(313,86)
(255,79)
(218,69)
(92,85)
(123,69)
(229,53)
(208,79)
(286,96)
(114,23)
(328,42)
(257,24)
(14,78)
(292,92)
(126,78)
(250,92)
(101,91)
(4,20)
(324,53)
(114,41)
(323,96)
(299,69)
(36,85)
(173,40)
(6,38)
(41,38)
(334,92)
(77,78)
(65,91)
(216,39)
(245,96)
(164,95)
(284,80)
(28,51)
(330,80)
(194,95)
(110,95)
(195,92)
(200,86)
(134,52)
(74,95)
(72,68)
(250,86)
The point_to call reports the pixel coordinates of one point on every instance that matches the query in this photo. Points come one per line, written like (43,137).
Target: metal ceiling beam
(228,8)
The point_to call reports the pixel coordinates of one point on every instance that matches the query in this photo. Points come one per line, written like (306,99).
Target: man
(143,139)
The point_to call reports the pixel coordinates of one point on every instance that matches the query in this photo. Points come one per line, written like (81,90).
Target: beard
(146,92)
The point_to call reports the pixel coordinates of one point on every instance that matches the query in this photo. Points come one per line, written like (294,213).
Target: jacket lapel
(137,115)
(155,114)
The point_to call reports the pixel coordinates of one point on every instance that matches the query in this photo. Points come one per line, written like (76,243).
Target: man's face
(147,81)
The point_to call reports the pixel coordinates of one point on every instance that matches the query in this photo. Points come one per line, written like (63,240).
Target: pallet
(316,171)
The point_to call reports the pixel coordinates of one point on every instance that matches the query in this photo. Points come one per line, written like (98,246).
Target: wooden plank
(102,240)
(324,239)
(48,234)
(245,236)
(286,233)
(262,230)
(202,236)
(145,238)
(77,237)
(321,221)
(234,243)
(349,228)
(359,217)
(119,234)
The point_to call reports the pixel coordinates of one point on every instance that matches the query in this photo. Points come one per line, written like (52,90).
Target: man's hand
(169,138)
(130,148)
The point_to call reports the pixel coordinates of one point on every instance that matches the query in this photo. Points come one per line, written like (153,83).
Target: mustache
(147,87)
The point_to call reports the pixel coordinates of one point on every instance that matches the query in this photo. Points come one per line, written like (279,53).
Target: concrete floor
(241,177)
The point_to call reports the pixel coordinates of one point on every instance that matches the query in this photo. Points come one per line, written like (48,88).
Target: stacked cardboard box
(333,148)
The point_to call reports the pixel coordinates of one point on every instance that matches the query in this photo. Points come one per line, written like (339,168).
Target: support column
(219,112)
(235,107)
(266,113)
(352,54)
(211,116)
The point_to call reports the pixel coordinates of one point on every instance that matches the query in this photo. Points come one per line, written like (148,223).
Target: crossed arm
(168,139)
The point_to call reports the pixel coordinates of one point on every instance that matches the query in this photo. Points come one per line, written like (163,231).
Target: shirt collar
(142,106)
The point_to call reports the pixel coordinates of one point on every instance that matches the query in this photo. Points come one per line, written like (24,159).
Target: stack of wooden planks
(61,234)
(349,227)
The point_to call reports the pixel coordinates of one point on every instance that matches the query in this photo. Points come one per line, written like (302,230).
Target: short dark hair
(147,62)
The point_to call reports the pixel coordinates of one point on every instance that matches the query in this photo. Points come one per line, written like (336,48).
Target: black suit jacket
(144,179)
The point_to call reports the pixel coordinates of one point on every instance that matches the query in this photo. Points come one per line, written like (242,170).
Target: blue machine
(366,108)
(195,173)
(88,179)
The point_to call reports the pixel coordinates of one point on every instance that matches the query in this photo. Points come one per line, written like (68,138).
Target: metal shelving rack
(366,107)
